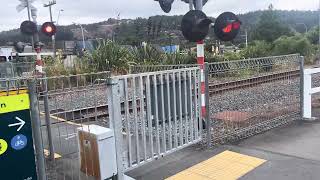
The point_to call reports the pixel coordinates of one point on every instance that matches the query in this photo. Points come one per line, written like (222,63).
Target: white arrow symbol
(21,124)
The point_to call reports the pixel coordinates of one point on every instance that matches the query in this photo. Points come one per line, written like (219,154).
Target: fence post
(114,108)
(307,103)
(47,116)
(130,69)
(301,63)
(207,96)
(36,130)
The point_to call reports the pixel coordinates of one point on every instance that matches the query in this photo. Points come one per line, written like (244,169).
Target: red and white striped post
(39,62)
(200,58)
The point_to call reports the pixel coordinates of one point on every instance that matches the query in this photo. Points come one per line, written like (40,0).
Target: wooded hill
(161,29)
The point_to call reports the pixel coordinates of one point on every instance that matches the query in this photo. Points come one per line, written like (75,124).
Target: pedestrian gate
(154,114)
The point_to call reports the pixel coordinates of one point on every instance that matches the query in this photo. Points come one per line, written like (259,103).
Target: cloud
(88,11)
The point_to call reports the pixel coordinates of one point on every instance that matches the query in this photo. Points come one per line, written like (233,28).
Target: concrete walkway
(291,152)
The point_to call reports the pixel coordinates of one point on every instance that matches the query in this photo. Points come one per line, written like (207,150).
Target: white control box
(97,151)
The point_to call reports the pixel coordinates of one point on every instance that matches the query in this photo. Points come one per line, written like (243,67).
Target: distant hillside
(292,18)
(157,29)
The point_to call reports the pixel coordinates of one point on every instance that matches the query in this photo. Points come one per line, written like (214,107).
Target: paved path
(290,153)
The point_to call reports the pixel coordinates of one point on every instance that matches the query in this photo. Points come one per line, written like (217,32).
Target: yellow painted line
(227,165)
(13,92)
(61,120)
(56,156)
(14,103)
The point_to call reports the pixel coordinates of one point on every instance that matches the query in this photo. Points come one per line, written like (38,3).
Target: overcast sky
(89,11)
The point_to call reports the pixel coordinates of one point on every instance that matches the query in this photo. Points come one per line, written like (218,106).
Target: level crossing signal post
(29,28)
(195,26)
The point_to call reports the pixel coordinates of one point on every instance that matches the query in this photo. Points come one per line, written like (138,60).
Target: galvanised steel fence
(11,70)
(23,69)
(247,97)
(155,114)
(66,104)
(251,96)
(153,68)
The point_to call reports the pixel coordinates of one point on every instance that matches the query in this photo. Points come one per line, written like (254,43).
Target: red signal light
(227,29)
(48,29)
(227,26)
(233,26)
(236,25)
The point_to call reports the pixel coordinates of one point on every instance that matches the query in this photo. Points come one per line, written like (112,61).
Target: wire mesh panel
(23,69)
(11,70)
(68,104)
(160,114)
(154,68)
(16,85)
(250,96)
(6,70)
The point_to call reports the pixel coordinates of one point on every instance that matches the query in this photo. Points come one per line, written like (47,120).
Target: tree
(257,49)
(269,27)
(291,45)
(313,35)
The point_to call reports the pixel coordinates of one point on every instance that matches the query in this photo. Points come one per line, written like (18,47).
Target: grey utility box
(97,151)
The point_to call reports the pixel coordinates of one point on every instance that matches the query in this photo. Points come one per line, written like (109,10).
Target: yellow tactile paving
(186,175)
(227,165)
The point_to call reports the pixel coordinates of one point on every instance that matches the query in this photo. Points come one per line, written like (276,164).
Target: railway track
(91,113)
(101,111)
(233,85)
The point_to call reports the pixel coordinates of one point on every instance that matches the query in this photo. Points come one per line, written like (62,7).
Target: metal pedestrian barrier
(12,70)
(248,97)
(309,88)
(156,111)
(154,114)
(153,68)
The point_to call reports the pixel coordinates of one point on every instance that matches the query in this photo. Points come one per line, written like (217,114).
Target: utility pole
(82,33)
(29,17)
(50,4)
(83,39)
(199,5)
(246,38)
(36,45)
(245,35)
(190,5)
(61,10)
